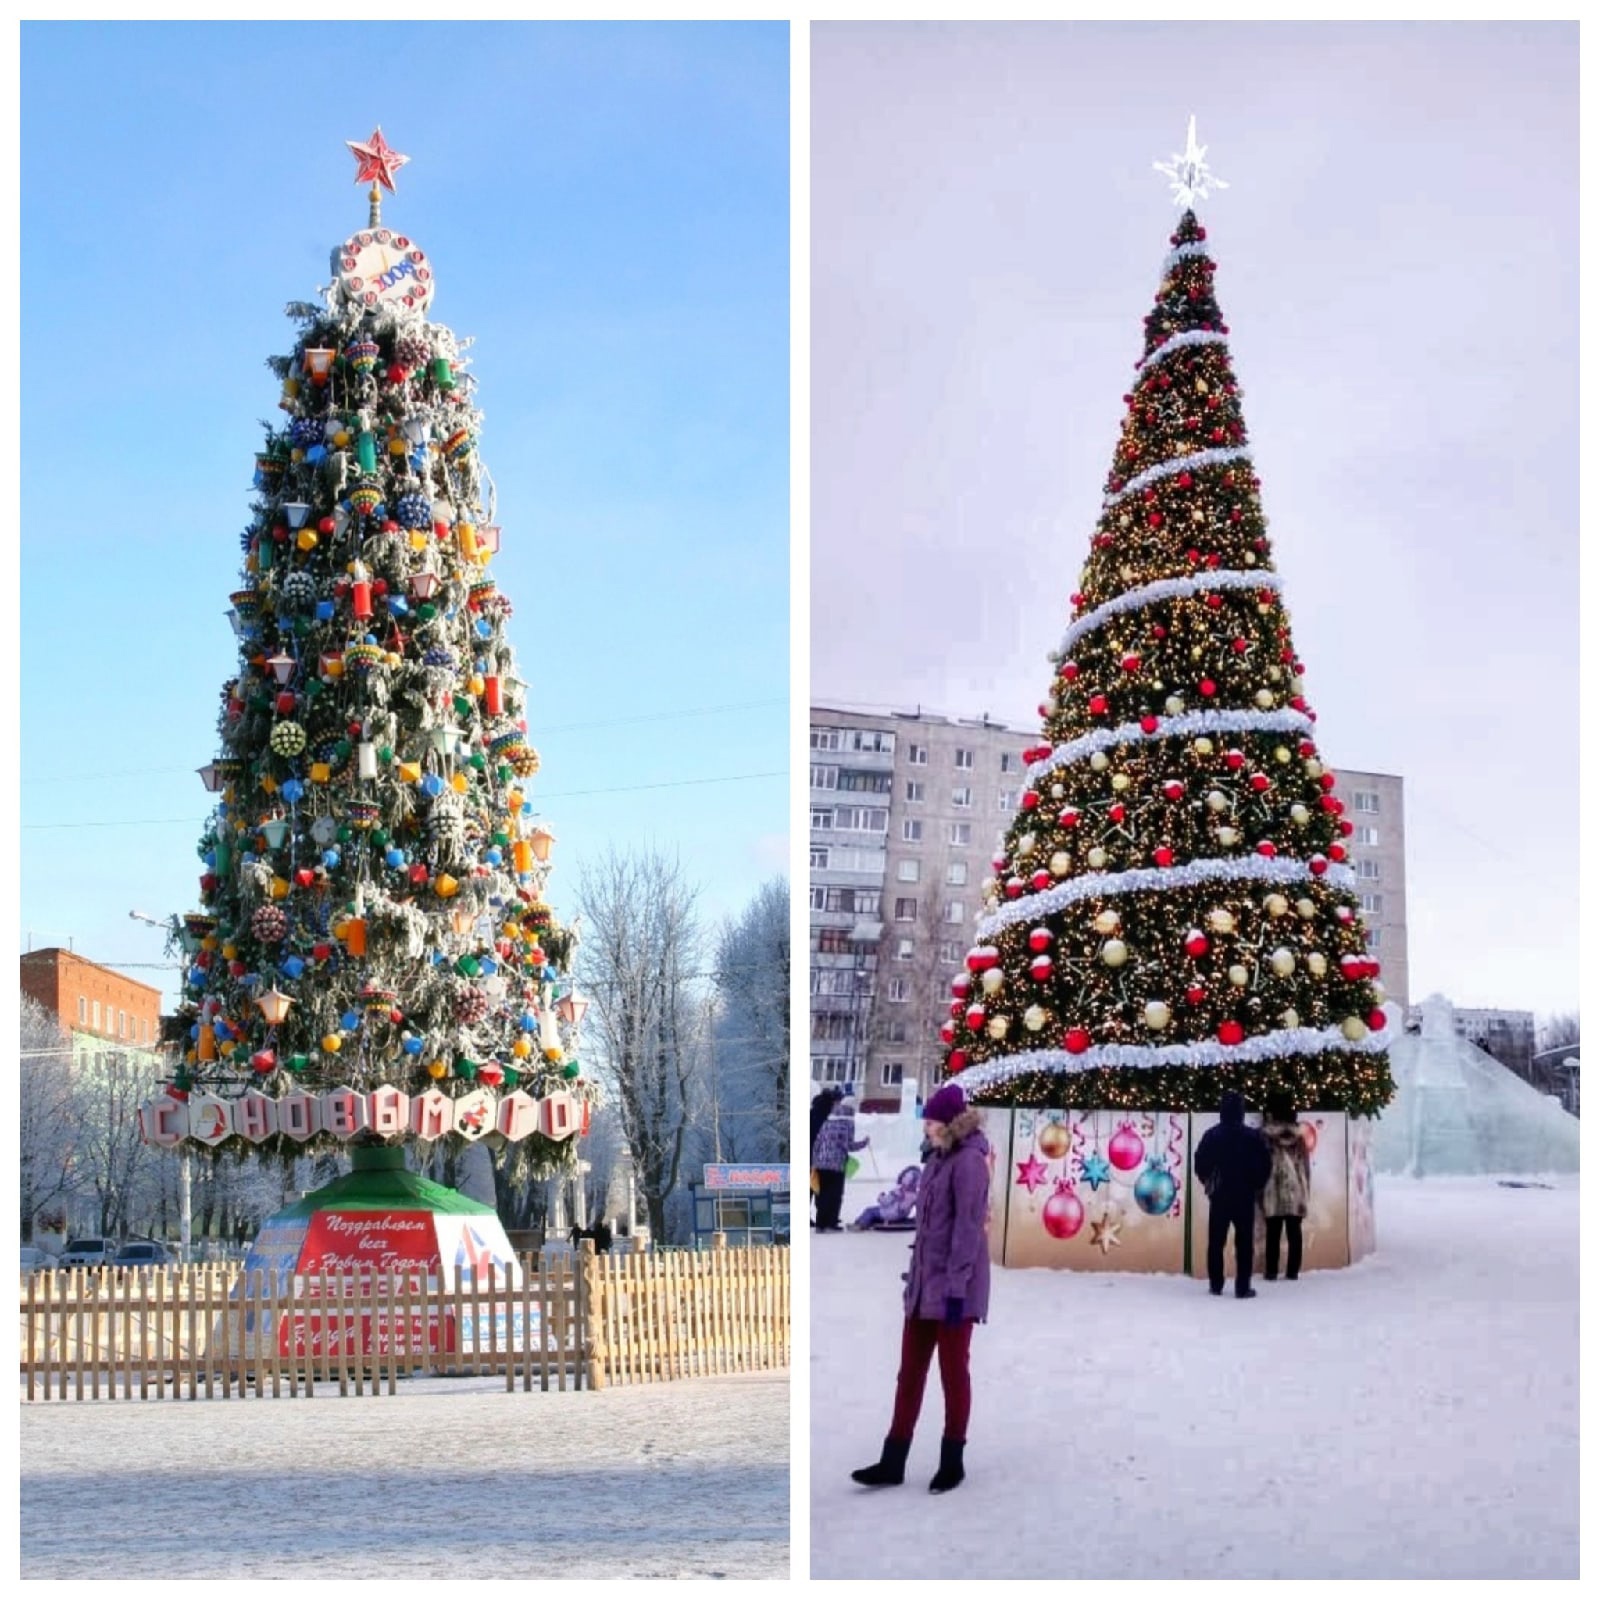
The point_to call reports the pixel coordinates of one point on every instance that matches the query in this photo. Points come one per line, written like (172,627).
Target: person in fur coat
(1286,1195)
(947,1289)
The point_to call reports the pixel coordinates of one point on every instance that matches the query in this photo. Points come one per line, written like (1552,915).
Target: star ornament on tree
(1188,173)
(377,163)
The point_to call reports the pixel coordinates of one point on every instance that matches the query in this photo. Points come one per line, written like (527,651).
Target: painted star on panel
(376,162)
(1031,1173)
(1104,1230)
(1096,1170)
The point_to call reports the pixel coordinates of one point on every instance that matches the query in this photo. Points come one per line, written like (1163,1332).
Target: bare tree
(112,1157)
(751,1032)
(45,1123)
(637,963)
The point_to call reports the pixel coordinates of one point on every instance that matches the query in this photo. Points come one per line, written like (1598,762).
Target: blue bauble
(411,1046)
(349,1021)
(1155,1191)
(492,856)
(324,611)
(292,967)
(394,858)
(294,791)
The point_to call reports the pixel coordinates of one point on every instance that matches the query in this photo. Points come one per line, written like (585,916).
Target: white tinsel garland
(1180,341)
(1195,247)
(1187,724)
(1188,875)
(1201,1053)
(1162,589)
(1166,469)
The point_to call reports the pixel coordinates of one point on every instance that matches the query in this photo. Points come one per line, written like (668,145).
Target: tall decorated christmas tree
(1171,915)
(374,961)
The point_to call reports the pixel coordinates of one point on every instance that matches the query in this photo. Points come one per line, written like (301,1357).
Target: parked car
(36,1260)
(143,1253)
(88,1252)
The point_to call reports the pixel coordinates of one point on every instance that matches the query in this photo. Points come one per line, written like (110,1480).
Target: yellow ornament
(306,538)
(523,1046)
(410,771)
(397,447)
(280,888)
(332,1043)
(418,541)
(321,772)
(341,439)
(552,1054)
(458,782)
(445,886)
(436,1069)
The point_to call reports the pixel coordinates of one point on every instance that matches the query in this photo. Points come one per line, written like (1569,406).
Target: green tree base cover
(1171,915)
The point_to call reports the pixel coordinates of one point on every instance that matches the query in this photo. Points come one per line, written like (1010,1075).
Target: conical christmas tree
(375,959)
(1170,916)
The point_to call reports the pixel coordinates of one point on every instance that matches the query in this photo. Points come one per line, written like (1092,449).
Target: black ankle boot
(950,1471)
(890,1468)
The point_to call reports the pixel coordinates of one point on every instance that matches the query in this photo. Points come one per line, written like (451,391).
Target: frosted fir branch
(1180,341)
(1195,247)
(1187,875)
(1162,589)
(1202,1053)
(1182,726)
(1166,469)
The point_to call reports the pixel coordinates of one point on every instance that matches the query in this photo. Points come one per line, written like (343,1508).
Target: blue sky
(606,209)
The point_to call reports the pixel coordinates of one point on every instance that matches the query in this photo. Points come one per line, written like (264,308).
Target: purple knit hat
(945,1105)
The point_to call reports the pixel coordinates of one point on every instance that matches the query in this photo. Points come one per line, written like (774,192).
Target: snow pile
(1414,1416)
(450,1478)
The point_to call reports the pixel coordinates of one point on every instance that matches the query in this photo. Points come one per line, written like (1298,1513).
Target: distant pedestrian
(1233,1164)
(947,1290)
(822,1104)
(1288,1192)
(830,1154)
(602,1237)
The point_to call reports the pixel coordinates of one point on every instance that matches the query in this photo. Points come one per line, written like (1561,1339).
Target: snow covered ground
(451,1478)
(1415,1416)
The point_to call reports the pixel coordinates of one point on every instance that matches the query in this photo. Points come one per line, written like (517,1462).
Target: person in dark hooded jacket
(1233,1163)
(947,1289)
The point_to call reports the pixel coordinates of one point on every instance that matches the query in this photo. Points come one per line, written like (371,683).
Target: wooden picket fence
(582,1322)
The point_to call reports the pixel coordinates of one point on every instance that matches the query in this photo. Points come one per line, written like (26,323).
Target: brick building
(906,808)
(96,1005)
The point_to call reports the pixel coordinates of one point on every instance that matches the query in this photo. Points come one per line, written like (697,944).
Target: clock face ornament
(379,268)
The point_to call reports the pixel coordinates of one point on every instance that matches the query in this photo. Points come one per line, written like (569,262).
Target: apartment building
(906,810)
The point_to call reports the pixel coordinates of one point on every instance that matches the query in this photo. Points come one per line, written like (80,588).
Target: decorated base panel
(1114,1191)
(380,1220)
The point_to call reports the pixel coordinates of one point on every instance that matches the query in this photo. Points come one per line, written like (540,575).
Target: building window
(1366,869)
(1006,800)
(861,819)
(824,738)
(1366,801)
(875,741)
(824,777)
(914,792)
(833,941)
(830,1069)
(905,950)
(97,1016)
(911,830)
(905,909)
(960,832)
(956,874)
(1372,903)
(891,1073)
(83,1008)
(918,755)
(949,953)
(954,911)
(1366,833)
(897,1033)
(869,902)
(819,857)
(821,817)
(1374,938)
(961,797)
(898,988)
(964,760)
(865,783)
(819,897)
(1010,761)
(122,1024)
(908,871)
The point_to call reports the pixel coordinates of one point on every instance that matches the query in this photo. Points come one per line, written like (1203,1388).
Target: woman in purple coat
(947,1289)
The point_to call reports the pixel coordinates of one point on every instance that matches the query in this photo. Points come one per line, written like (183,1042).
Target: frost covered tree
(1170,914)
(46,1119)
(751,1031)
(639,965)
(373,897)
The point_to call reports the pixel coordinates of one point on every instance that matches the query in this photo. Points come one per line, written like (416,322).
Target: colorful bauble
(479,592)
(471,1004)
(362,354)
(413,510)
(365,499)
(299,588)
(305,432)
(288,739)
(1053,1140)
(1126,1149)
(363,814)
(1155,1191)
(269,924)
(363,657)
(1063,1213)
(459,445)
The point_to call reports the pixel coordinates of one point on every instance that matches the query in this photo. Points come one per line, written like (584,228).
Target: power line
(564,794)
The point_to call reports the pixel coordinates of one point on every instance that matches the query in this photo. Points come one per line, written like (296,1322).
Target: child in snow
(947,1289)
(830,1154)
(894,1205)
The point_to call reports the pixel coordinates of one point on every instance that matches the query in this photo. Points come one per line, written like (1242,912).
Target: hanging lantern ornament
(423,586)
(211,777)
(319,364)
(295,513)
(541,838)
(282,667)
(274,1006)
(570,1008)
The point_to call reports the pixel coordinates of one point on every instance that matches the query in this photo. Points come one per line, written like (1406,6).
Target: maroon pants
(953,1341)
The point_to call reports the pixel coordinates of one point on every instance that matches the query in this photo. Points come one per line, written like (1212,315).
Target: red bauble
(961,986)
(1097,705)
(1230,1032)
(956,1008)
(321,952)
(1337,852)
(418,873)
(1040,939)
(1069,670)
(1194,994)
(1155,519)
(1148,724)
(1266,848)
(1130,663)
(1162,855)
(1207,687)
(1068,818)
(976,1017)
(1126,1149)
(326,525)
(263,1061)
(1029,800)
(1195,943)
(947,1032)
(1233,759)
(285,702)
(1063,1213)
(305,877)
(1214,600)
(1040,968)
(958,1059)
(1076,1041)
(1376,1018)
(1327,780)
(1040,880)
(1014,887)
(1117,811)
(1157,631)
(1172,789)
(1318,865)
(1260,782)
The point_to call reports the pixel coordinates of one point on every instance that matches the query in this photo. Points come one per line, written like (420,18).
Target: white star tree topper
(1188,173)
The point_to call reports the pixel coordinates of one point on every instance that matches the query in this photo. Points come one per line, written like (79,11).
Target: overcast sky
(1397,261)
